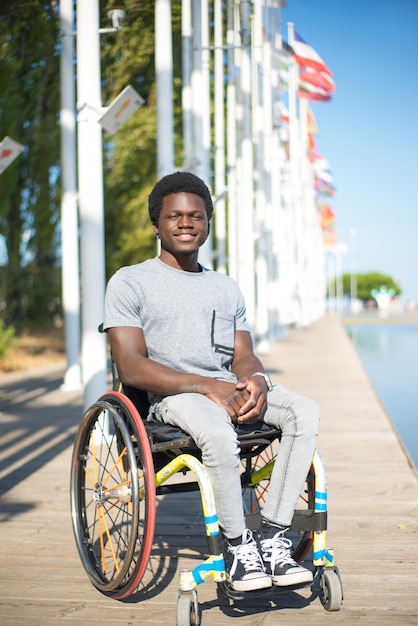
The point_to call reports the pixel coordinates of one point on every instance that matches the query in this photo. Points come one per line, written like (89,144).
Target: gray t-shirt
(188,319)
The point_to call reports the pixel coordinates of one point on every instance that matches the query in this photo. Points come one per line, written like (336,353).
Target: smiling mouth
(185,236)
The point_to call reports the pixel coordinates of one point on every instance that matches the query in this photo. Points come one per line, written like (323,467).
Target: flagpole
(186,96)
(246,257)
(201,104)
(219,95)
(294,153)
(164,76)
(231,143)
(307,208)
(261,324)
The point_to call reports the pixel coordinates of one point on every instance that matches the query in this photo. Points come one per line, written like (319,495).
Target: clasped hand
(245,401)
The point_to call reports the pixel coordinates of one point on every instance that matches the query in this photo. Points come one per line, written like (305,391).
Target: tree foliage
(366,283)
(29,198)
(29,113)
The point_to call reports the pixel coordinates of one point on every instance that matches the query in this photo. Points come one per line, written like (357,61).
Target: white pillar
(69,206)
(186,35)
(205,95)
(197,87)
(246,267)
(90,183)
(231,144)
(259,113)
(220,215)
(201,105)
(164,77)
(295,183)
(273,209)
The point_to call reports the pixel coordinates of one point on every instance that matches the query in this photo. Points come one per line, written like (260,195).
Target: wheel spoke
(101,539)
(115,467)
(109,539)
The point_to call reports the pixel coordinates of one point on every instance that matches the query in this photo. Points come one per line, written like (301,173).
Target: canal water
(389,353)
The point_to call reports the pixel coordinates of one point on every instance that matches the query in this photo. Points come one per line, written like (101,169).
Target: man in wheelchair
(178,331)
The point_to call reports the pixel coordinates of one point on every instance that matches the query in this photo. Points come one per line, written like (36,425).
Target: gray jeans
(211,428)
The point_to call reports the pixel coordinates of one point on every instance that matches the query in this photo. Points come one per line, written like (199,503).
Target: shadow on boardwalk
(35,424)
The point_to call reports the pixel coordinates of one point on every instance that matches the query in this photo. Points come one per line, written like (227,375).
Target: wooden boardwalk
(373,506)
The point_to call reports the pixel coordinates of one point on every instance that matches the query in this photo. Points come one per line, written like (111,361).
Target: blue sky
(369,130)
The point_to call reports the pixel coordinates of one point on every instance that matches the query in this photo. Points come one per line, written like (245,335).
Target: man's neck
(186,263)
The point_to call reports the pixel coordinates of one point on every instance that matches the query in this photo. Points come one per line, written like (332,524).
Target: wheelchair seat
(253,438)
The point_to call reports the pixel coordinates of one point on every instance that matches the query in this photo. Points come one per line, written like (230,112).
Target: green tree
(29,201)
(366,283)
(29,113)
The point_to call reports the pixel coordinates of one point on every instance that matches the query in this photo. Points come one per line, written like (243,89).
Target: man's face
(183,224)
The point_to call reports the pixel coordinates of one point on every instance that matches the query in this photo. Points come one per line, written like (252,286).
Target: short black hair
(176,183)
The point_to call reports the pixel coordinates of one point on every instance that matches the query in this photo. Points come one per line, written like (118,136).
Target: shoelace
(277,551)
(247,553)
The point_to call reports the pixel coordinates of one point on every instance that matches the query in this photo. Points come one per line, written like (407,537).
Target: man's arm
(135,369)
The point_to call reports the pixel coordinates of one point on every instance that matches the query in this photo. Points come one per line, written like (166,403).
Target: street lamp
(91,117)
(90,195)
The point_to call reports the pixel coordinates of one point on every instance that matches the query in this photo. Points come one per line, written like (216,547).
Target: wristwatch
(266,378)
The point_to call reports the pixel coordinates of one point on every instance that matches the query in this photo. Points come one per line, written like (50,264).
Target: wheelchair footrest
(225,590)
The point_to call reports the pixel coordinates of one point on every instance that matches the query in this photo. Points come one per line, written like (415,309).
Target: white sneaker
(244,565)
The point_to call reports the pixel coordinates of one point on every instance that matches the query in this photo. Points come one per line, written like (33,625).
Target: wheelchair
(122,462)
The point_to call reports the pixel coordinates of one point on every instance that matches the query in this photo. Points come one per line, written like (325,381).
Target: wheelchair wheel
(113,495)
(187,609)
(331,591)
(255,480)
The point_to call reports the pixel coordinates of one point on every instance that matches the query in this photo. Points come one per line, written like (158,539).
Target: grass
(34,350)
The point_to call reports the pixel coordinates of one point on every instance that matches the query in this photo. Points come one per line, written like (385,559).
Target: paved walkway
(373,506)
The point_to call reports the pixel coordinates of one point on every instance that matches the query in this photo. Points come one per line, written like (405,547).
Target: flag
(327,216)
(306,90)
(310,92)
(318,79)
(321,169)
(282,112)
(324,188)
(312,125)
(312,130)
(329,237)
(327,221)
(306,56)
(314,83)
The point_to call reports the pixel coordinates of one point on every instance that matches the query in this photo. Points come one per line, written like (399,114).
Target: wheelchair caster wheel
(331,591)
(187,609)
